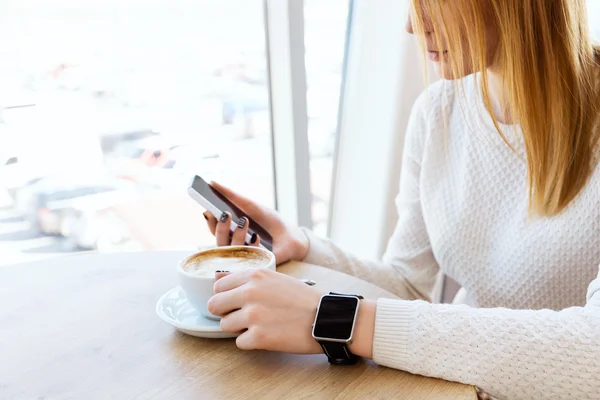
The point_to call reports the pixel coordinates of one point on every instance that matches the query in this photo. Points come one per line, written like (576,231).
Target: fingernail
(242,222)
(254,238)
(224,217)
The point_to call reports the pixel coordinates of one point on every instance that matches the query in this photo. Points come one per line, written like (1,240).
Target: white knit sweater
(527,331)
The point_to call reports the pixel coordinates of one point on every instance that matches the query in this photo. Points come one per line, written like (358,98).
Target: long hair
(550,69)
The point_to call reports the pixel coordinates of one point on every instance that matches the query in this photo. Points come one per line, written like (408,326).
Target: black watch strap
(338,353)
(349,295)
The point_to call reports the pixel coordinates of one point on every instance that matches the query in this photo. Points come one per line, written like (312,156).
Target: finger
(222,230)
(255,240)
(221,274)
(225,302)
(249,207)
(239,235)
(234,322)
(237,279)
(246,340)
(211,222)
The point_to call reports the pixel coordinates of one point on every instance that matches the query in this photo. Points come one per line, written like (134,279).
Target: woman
(500,190)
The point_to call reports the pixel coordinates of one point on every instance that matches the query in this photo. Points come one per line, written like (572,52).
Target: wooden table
(84,327)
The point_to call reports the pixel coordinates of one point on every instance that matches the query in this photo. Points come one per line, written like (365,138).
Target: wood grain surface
(84,327)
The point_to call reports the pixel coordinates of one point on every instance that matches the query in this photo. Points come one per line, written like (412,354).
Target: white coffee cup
(197,272)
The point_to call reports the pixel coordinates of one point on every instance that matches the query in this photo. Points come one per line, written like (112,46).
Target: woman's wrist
(302,245)
(364,329)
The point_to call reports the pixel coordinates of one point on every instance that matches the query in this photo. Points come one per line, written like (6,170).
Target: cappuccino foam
(207,263)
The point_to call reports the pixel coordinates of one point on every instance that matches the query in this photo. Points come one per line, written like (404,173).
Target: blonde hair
(550,70)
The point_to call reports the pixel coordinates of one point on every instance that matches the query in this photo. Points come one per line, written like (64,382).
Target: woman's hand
(273,311)
(289,242)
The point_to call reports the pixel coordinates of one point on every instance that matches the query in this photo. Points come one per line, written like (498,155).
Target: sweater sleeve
(408,268)
(509,354)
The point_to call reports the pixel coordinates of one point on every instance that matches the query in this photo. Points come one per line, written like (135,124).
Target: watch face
(335,318)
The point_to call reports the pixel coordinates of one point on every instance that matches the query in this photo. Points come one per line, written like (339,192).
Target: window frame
(284,33)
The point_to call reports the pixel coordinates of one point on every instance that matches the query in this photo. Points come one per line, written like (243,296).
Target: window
(326,23)
(149,92)
(594,17)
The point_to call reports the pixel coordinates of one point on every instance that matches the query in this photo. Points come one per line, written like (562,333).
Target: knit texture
(526,331)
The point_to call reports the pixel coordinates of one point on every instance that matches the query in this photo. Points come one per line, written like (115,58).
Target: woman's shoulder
(437,110)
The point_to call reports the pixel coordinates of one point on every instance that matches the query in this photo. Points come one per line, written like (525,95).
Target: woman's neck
(499,98)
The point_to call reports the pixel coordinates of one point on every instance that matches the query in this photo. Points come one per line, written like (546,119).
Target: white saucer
(174,308)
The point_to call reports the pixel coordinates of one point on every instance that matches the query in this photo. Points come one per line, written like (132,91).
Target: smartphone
(216,203)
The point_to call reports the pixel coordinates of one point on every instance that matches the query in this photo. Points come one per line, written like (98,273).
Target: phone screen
(223,204)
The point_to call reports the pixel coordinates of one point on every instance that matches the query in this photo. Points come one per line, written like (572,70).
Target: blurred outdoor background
(108,108)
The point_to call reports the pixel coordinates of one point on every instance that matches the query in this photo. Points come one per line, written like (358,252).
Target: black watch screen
(335,318)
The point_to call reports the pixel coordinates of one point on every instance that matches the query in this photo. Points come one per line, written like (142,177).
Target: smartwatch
(334,326)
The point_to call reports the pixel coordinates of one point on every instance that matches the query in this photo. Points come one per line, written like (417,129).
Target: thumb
(260,214)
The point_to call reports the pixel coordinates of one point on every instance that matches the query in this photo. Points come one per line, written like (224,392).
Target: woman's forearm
(362,344)
(514,354)
(408,279)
